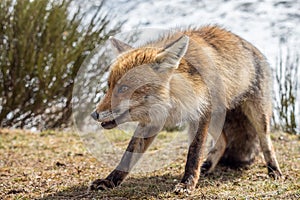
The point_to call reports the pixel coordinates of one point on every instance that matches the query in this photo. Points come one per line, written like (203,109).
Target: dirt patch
(56,165)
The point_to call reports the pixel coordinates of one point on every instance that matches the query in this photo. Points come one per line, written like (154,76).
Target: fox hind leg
(242,140)
(260,120)
(214,154)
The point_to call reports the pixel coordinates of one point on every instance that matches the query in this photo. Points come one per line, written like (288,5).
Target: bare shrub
(286,112)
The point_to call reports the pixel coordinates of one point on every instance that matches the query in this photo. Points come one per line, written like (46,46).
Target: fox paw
(182,188)
(274,172)
(206,167)
(102,184)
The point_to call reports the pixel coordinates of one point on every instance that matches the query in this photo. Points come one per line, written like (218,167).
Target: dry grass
(56,165)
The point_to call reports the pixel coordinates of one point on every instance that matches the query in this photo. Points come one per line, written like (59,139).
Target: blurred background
(43,44)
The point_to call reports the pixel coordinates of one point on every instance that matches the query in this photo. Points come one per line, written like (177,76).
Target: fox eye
(123,88)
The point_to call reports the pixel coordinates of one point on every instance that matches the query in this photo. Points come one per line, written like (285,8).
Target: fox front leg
(194,158)
(143,137)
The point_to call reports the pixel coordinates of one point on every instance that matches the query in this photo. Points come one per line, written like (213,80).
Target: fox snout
(105,118)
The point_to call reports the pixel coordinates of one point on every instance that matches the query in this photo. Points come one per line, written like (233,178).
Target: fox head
(138,83)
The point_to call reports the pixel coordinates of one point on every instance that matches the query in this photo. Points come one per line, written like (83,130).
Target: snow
(263,23)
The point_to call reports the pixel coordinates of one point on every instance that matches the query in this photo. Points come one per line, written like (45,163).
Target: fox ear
(170,56)
(119,46)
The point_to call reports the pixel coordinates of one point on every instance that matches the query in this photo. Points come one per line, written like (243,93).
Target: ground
(56,165)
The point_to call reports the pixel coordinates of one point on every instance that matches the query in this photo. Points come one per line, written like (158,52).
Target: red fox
(165,82)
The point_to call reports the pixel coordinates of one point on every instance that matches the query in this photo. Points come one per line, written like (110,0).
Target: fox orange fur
(186,76)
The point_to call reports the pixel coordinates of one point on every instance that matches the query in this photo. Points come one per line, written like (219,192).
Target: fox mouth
(114,122)
(109,125)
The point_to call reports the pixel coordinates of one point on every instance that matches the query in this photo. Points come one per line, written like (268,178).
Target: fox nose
(95,115)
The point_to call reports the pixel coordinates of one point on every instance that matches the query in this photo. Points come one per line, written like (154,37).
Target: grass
(56,165)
